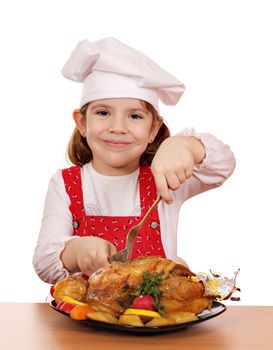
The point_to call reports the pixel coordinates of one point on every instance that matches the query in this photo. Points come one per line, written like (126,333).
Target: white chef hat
(110,69)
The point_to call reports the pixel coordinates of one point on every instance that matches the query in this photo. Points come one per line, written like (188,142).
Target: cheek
(91,135)
(143,136)
(143,133)
(93,129)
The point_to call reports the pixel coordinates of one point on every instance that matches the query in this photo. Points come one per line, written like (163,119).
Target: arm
(58,253)
(55,231)
(200,159)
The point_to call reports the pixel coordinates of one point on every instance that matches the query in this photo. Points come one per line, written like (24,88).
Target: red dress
(115,228)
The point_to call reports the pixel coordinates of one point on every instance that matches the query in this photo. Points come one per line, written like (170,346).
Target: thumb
(112,249)
(162,188)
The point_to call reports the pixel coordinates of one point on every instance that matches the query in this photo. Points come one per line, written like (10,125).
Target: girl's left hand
(173,163)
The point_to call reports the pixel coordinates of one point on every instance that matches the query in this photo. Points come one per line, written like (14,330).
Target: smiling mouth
(116,143)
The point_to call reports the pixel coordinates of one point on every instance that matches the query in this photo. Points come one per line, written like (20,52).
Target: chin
(118,165)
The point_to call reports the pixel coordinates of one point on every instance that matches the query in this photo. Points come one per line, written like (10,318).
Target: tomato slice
(52,290)
(64,306)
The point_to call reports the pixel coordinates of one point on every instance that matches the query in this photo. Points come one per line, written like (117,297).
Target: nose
(117,125)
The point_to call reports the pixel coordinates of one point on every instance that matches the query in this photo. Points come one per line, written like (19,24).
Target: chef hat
(110,69)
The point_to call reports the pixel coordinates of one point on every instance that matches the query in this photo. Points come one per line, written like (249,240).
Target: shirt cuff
(204,139)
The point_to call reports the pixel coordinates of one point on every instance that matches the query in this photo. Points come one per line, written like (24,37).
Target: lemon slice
(141,312)
(72,301)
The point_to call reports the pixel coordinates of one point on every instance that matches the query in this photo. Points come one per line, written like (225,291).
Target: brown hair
(79,153)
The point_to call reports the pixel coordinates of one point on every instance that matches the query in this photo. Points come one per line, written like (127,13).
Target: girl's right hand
(87,254)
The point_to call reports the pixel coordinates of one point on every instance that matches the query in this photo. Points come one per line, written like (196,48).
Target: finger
(162,188)
(188,172)
(92,262)
(100,261)
(184,174)
(112,249)
(87,269)
(104,263)
(174,181)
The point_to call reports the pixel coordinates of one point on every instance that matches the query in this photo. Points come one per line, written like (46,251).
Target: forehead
(128,103)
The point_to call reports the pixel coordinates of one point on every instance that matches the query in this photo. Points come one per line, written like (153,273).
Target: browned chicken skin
(113,285)
(73,286)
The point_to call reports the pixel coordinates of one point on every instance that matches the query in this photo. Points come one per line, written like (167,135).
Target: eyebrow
(141,110)
(100,105)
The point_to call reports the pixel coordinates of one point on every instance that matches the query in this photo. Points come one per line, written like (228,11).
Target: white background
(221,50)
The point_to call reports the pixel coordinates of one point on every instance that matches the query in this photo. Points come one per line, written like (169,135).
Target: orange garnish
(80,312)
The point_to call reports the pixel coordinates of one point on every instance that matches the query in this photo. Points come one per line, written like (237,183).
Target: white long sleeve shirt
(101,196)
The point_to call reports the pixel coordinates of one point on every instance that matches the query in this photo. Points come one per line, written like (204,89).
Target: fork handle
(145,217)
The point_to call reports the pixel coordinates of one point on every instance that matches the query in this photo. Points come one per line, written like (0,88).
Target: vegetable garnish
(141,312)
(150,286)
(72,301)
(79,312)
(64,306)
(144,302)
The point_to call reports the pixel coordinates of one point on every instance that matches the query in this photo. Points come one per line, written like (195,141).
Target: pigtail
(148,156)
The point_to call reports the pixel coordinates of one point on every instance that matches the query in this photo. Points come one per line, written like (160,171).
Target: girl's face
(118,131)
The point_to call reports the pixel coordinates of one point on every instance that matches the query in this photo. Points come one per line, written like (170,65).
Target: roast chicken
(114,287)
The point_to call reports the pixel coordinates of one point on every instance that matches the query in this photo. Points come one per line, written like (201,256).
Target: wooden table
(37,326)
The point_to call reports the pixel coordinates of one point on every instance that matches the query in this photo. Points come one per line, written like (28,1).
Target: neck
(115,171)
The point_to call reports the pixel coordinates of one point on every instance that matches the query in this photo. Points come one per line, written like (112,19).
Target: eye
(102,113)
(136,116)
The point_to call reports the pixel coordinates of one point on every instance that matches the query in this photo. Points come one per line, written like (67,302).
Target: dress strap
(73,185)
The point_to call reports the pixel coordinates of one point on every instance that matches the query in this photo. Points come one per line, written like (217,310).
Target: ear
(80,121)
(155,128)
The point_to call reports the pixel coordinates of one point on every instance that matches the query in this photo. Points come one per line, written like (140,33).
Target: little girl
(123,156)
